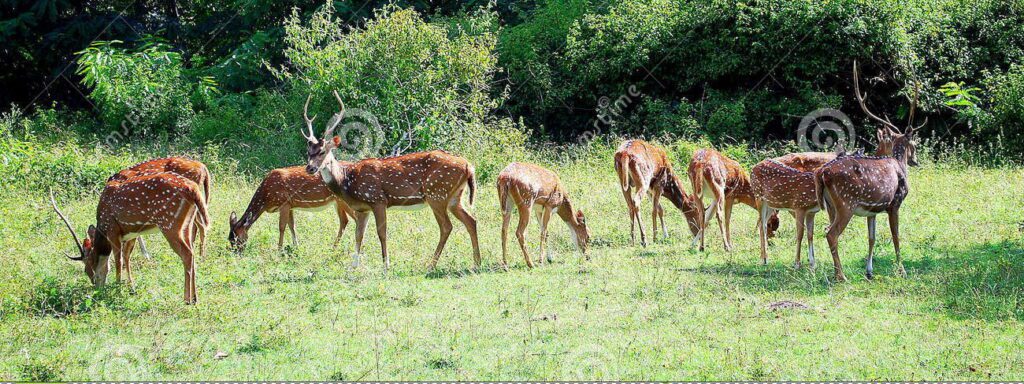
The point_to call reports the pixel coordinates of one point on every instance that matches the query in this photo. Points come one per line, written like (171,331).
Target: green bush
(142,90)
(1006,124)
(428,86)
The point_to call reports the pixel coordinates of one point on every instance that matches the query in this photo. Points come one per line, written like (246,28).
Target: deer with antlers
(185,167)
(164,202)
(435,178)
(287,190)
(722,179)
(523,186)
(645,169)
(866,186)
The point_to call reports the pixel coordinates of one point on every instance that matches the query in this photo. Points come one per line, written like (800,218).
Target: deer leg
(628,196)
(126,254)
(282,224)
(291,228)
(637,199)
(728,218)
(142,247)
(506,217)
(470,223)
(545,218)
(179,243)
(655,211)
(362,218)
(870,265)
(800,215)
(445,225)
(380,216)
(524,220)
(894,226)
(836,228)
(116,251)
(809,227)
(719,213)
(342,223)
(762,226)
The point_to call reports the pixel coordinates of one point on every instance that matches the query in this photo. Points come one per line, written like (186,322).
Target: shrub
(142,90)
(1007,111)
(426,85)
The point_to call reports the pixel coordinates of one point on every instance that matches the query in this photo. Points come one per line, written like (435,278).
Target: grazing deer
(162,202)
(433,178)
(646,168)
(523,186)
(187,168)
(714,175)
(286,190)
(866,186)
(779,186)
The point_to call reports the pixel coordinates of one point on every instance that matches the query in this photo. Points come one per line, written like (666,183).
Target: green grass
(665,312)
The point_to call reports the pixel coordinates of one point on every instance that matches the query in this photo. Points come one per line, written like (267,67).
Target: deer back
(161,200)
(528,182)
(864,184)
(402,180)
(783,186)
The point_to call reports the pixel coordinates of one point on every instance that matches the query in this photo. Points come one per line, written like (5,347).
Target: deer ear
(233,219)
(92,231)
(337,141)
(579,216)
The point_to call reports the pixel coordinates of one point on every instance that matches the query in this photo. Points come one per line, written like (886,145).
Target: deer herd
(170,196)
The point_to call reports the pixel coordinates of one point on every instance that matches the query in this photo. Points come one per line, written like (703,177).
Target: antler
(336,119)
(309,121)
(81,251)
(864,106)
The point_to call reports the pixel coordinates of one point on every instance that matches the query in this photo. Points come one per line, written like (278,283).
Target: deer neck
(568,215)
(256,208)
(334,175)
(899,152)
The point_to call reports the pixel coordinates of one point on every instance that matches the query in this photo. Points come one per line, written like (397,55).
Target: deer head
(320,152)
(688,205)
(238,233)
(581,233)
(891,140)
(93,251)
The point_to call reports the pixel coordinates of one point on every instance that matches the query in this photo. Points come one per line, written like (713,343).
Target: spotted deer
(524,186)
(714,175)
(163,202)
(435,178)
(187,168)
(286,190)
(866,186)
(645,169)
(777,185)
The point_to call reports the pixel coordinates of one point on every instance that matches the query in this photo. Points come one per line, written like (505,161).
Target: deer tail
(202,217)
(471,183)
(622,168)
(819,189)
(207,179)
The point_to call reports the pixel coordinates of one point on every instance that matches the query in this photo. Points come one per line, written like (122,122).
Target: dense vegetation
(212,72)
(93,86)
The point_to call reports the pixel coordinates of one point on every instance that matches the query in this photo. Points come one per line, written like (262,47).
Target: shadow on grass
(984,281)
(57,298)
(981,281)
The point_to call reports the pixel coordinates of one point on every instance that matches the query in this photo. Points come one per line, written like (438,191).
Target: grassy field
(665,312)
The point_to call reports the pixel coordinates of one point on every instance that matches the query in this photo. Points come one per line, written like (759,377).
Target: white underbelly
(312,209)
(863,212)
(414,207)
(130,236)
